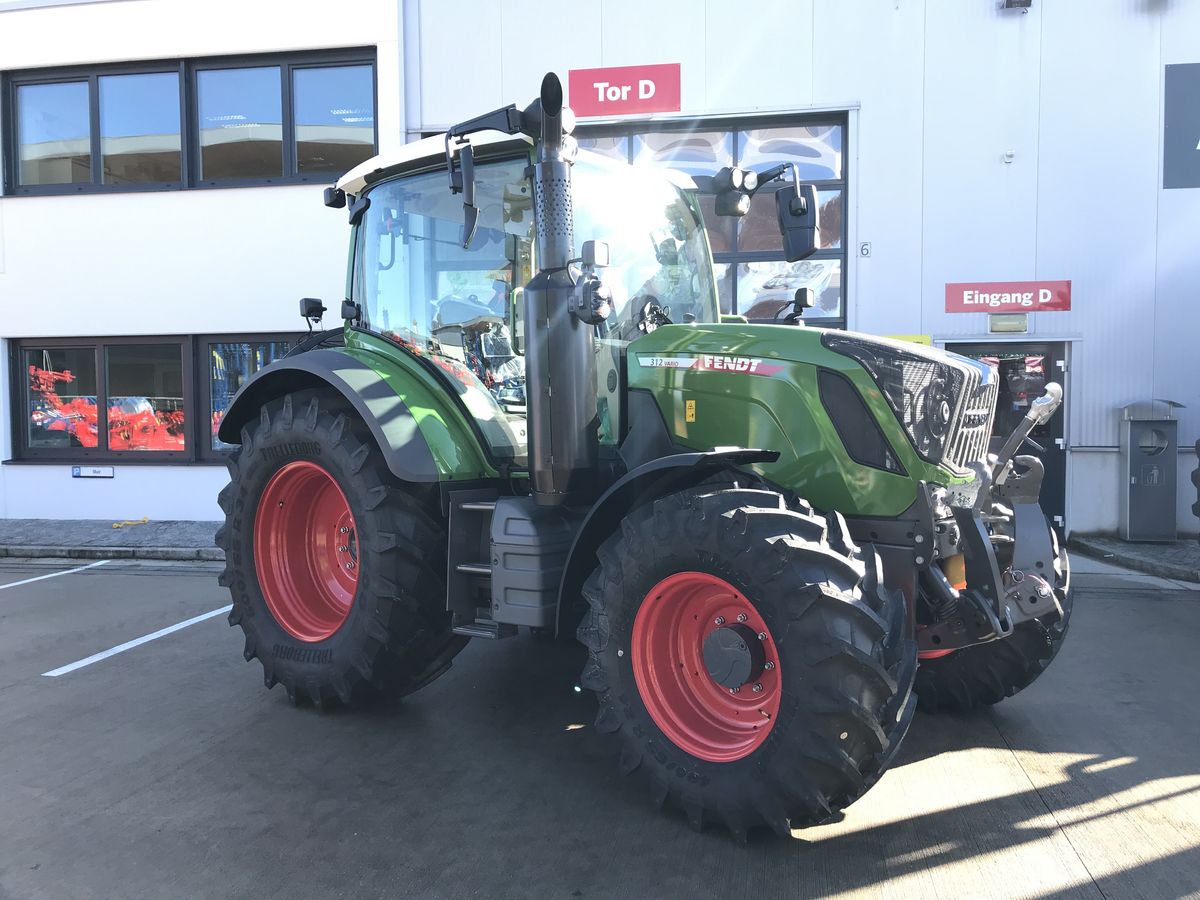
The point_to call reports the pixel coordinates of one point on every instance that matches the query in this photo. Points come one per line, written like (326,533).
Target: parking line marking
(55,574)
(136,642)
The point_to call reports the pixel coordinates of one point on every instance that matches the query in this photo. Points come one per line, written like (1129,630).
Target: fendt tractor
(771,539)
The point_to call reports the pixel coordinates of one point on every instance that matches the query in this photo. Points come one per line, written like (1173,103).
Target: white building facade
(164,160)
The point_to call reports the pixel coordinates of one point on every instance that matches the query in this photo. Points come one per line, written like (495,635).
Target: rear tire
(836,702)
(985,674)
(343,597)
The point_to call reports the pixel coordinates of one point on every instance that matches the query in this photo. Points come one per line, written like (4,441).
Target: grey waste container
(1150,465)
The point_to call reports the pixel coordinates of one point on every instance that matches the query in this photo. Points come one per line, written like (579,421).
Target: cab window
(419,287)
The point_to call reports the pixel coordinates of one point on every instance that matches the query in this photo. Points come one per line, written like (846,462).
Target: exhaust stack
(560,362)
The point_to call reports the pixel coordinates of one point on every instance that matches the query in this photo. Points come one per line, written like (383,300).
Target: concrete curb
(161,553)
(1138,564)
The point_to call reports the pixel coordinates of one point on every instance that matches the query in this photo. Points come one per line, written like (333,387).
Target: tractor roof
(417,154)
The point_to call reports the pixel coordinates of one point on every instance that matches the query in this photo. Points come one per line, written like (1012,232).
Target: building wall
(938,91)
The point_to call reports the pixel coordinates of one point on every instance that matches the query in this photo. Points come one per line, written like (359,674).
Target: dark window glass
(613,146)
(241,123)
(145,397)
(230,365)
(765,288)
(60,397)
(724,281)
(759,229)
(815,149)
(54,133)
(694,152)
(335,117)
(139,128)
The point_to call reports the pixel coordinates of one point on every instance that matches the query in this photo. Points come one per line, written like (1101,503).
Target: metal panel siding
(1096,204)
(981,86)
(873,54)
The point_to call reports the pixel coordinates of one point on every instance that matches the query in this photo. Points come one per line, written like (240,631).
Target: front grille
(974,424)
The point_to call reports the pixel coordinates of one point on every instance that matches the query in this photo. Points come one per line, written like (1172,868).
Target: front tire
(336,573)
(985,674)
(692,600)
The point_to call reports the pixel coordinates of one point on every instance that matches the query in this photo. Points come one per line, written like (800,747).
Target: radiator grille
(974,425)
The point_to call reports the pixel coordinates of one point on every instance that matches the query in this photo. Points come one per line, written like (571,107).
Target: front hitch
(994,600)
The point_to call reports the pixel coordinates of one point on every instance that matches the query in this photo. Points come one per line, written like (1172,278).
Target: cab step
(486,628)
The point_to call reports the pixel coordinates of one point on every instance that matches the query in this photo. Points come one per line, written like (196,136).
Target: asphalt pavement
(165,769)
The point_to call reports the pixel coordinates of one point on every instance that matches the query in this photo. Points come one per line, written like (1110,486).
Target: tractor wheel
(337,574)
(748,657)
(985,674)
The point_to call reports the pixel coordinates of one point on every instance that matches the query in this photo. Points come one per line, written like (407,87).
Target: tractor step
(473,569)
(486,628)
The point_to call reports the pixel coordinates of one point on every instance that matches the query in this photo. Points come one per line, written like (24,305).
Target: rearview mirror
(798,216)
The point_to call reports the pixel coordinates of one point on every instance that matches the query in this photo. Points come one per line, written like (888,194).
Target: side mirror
(466,160)
(312,309)
(350,311)
(799,223)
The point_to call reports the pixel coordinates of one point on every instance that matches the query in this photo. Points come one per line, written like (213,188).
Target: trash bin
(1150,464)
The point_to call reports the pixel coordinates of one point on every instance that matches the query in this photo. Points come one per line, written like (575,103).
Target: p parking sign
(1181,127)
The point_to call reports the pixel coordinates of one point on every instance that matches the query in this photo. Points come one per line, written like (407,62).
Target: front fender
(644,484)
(384,412)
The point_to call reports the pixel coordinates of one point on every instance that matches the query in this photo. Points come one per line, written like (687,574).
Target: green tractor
(771,539)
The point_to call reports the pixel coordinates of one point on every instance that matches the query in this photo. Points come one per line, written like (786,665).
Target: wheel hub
(306,552)
(706,666)
(733,656)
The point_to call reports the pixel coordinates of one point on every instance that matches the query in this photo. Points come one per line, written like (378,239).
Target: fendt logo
(708,362)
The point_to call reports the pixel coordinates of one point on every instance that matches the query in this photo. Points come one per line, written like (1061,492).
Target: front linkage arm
(997,599)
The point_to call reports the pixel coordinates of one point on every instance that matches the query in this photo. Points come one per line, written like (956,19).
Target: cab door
(1025,370)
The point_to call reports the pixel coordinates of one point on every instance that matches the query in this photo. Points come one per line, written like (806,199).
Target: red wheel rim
(306,551)
(697,714)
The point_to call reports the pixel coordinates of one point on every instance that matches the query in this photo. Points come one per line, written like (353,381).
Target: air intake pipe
(560,361)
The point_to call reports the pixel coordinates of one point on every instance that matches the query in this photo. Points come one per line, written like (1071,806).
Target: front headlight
(922,392)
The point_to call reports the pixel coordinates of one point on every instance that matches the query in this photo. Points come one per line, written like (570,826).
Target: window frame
(734,125)
(189,126)
(205,452)
(197,397)
(19,381)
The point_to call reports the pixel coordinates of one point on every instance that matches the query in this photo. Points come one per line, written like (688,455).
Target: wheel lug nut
(736,690)
(349,565)
(343,549)
(758,688)
(719,620)
(342,530)
(741,617)
(762,635)
(768,665)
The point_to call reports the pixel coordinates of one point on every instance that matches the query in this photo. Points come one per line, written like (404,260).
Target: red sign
(621,90)
(1008,296)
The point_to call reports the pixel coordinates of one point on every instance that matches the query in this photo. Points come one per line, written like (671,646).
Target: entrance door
(1025,370)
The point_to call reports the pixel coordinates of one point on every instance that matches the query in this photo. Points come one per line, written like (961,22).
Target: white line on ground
(55,574)
(129,645)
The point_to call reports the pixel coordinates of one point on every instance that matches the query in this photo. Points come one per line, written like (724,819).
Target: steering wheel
(652,314)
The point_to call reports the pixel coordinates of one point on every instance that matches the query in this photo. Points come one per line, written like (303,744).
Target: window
(285,118)
(241,123)
(335,117)
(145,397)
(54,133)
(450,305)
(229,364)
(139,129)
(751,275)
(59,407)
(130,399)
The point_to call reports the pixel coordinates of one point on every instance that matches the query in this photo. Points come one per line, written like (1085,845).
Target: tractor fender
(644,484)
(387,416)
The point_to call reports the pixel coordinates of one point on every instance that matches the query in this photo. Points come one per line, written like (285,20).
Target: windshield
(463,309)
(659,249)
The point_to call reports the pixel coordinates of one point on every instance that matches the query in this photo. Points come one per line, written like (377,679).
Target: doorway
(1025,369)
